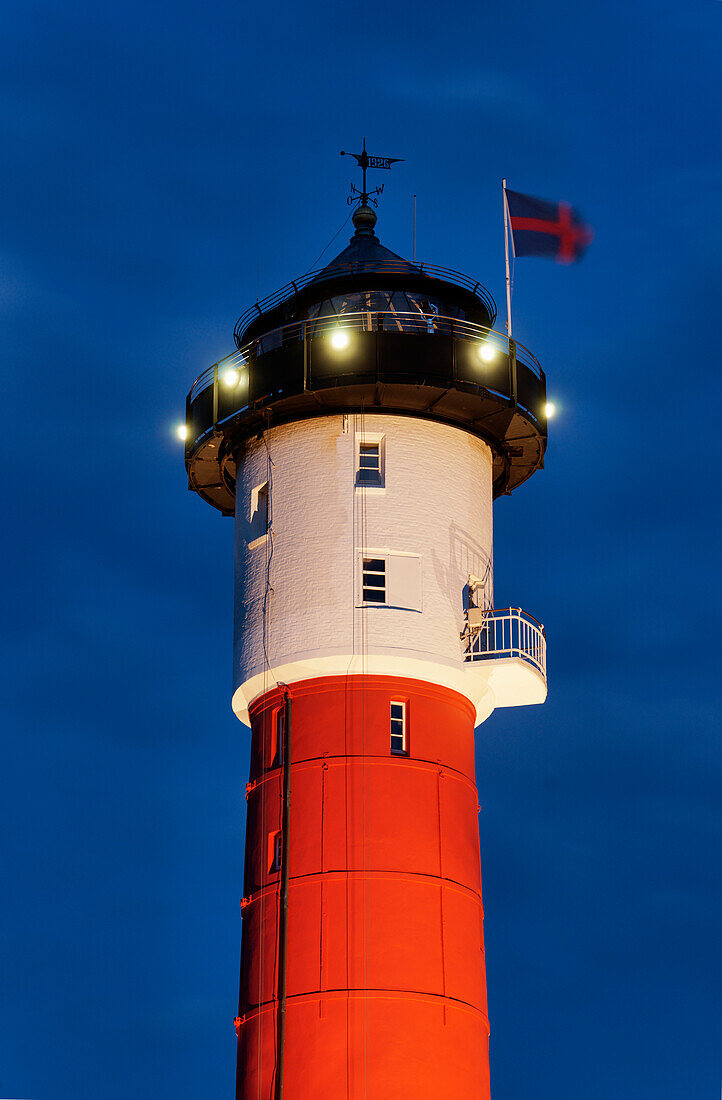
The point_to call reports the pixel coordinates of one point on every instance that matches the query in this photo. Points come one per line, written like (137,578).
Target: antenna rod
(414,249)
(506,256)
(364,165)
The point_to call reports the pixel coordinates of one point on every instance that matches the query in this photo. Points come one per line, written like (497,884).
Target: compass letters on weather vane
(365,161)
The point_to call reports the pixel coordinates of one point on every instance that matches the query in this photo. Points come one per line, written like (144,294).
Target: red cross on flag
(541,228)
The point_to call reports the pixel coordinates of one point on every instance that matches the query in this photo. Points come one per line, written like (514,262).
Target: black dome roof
(365,264)
(365,248)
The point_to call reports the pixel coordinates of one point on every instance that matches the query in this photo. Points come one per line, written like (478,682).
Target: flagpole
(506,257)
(414,233)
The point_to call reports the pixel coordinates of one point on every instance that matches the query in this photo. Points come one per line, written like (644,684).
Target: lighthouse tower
(359,436)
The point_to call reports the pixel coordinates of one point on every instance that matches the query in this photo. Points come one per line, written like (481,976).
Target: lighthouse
(359,435)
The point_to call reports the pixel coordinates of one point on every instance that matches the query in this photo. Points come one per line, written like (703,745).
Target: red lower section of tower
(385,982)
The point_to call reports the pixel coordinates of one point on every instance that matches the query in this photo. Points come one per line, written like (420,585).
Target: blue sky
(161,164)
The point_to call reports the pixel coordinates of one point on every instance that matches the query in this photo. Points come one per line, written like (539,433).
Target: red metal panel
(386,985)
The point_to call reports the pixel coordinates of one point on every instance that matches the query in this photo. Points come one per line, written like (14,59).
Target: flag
(540,228)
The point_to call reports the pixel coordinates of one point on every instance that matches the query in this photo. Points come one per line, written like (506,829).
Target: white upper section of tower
(356,538)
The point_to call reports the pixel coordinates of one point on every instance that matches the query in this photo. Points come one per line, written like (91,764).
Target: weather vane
(365,162)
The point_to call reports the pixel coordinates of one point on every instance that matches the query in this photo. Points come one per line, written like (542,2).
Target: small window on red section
(275,852)
(399,733)
(278,736)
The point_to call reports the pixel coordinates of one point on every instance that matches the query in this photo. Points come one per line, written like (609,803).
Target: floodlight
(340,339)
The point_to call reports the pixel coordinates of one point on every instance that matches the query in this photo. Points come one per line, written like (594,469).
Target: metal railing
(492,344)
(374,267)
(219,371)
(507,633)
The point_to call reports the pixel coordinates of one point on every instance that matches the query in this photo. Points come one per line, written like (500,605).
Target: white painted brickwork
(436,503)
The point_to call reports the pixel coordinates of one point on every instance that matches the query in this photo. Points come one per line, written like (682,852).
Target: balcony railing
(507,633)
(376,267)
(493,346)
(415,363)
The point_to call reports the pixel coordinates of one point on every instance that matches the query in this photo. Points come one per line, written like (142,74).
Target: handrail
(369,321)
(234,361)
(361,267)
(507,632)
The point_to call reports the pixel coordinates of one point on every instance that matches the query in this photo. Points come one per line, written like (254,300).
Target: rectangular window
(370,460)
(369,463)
(373,580)
(263,508)
(390,578)
(276,852)
(398,727)
(260,519)
(279,730)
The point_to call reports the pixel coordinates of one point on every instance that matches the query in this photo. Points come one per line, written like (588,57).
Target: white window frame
(403,704)
(370,439)
(396,564)
(372,557)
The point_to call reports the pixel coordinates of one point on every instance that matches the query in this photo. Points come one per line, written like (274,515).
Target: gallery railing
(511,632)
(375,268)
